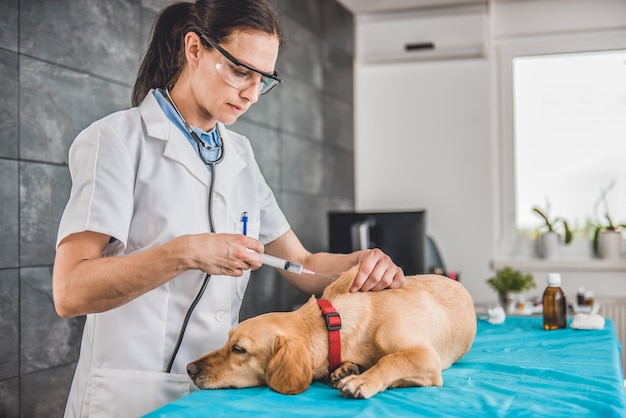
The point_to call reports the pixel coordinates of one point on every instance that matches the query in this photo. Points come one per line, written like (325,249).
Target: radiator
(615,309)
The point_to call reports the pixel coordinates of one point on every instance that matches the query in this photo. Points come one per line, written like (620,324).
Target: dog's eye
(238,350)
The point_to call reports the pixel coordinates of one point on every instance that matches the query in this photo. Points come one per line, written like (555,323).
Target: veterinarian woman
(155,213)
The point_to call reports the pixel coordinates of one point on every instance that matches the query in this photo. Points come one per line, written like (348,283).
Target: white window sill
(560,265)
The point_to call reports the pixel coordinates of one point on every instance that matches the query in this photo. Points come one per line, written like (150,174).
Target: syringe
(279,263)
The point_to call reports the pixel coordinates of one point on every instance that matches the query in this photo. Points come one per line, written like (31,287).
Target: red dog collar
(333,324)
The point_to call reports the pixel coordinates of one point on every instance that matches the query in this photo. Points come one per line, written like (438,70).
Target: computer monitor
(401,235)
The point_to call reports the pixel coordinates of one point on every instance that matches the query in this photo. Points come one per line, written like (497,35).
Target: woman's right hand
(224,254)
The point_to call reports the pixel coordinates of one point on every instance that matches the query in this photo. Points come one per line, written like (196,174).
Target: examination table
(514,369)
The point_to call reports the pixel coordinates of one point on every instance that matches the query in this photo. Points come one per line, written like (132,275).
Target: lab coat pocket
(133,393)
(253,230)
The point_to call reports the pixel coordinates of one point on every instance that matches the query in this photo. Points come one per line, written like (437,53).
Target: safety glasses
(239,75)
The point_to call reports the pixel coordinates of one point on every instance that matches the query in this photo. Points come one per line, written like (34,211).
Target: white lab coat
(135,177)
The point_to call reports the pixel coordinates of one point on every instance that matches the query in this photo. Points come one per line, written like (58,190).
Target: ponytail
(217,19)
(165,57)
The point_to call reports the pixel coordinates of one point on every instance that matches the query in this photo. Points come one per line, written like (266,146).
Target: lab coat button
(219,316)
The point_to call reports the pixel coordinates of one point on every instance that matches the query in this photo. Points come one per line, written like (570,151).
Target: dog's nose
(193,370)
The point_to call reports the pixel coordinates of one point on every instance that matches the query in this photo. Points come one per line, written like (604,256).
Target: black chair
(434,261)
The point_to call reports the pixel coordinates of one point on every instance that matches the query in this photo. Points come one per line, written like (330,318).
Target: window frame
(509,244)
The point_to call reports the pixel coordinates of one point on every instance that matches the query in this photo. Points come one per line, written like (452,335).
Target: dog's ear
(289,371)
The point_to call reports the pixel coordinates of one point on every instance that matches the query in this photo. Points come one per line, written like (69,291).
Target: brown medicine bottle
(554,306)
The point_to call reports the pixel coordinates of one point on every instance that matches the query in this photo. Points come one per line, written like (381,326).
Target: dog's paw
(358,387)
(345,369)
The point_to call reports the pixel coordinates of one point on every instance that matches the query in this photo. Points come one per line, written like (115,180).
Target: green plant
(552,225)
(510,280)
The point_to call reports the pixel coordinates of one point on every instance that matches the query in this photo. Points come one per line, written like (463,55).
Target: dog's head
(259,351)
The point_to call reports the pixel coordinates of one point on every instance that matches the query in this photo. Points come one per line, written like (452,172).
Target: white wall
(426,137)
(423,142)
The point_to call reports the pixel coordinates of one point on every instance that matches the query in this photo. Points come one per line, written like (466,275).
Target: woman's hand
(377,272)
(225,254)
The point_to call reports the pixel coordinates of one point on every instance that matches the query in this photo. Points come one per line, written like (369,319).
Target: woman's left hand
(377,272)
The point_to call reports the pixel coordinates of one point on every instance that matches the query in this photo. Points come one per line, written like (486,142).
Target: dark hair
(216,19)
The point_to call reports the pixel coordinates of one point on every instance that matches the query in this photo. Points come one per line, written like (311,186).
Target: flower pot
(509,301)
(503,299)
(548,245)
(610,245)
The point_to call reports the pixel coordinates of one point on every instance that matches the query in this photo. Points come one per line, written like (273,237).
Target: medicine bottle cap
(554,279)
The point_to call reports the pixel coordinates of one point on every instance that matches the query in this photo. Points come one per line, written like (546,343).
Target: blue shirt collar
(211,138)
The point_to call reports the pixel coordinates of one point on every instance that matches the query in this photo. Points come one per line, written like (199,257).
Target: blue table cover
(512,370)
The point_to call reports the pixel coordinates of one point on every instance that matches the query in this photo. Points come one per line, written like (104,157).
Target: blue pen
(244,221)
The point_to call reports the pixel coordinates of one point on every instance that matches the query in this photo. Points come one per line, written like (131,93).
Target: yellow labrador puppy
(391,338)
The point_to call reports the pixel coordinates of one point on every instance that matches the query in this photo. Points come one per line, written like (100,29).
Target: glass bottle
(554,306)
(580,297)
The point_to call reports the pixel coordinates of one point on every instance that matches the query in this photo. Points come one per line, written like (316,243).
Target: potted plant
(607,238)
(549,241)
(508,282)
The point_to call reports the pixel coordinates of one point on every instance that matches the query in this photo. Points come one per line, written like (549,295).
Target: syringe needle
(307,271)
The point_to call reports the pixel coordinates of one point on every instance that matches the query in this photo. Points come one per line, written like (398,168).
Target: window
(570,138)
(561,129)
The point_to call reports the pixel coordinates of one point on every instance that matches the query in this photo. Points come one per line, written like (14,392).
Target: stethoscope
(212,163)
(199,143)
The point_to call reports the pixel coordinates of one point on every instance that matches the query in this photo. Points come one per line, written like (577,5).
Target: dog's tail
(342,285)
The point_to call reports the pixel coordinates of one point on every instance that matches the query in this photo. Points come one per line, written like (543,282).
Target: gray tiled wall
(64,64)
